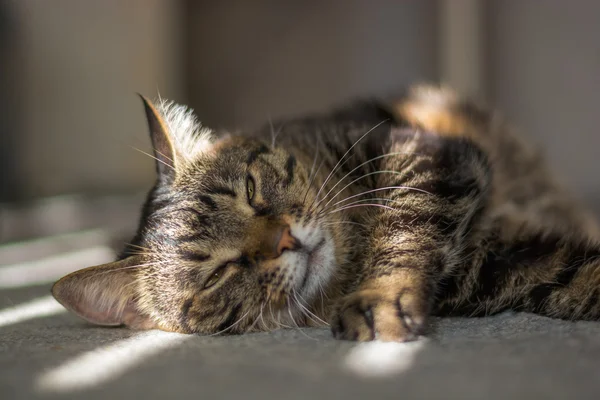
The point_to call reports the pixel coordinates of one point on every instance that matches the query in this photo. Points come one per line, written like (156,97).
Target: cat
(368,218)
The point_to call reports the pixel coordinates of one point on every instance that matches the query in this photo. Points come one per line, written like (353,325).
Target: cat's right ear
(104,294)
(164,149)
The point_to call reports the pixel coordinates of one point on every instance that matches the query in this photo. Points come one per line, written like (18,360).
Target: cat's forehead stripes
(208,202)
(194,256)
(221,190)
(253,155)
(219,255)
(289,169)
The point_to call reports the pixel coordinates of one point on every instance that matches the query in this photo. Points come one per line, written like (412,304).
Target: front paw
(369,315)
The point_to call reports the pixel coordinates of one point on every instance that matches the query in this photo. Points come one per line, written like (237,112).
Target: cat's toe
(353,320)
(411,312)
(367,315)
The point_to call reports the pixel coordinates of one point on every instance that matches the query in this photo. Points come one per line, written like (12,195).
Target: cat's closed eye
(250,188)
(214,278)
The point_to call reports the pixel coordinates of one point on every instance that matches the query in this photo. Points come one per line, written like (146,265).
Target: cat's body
(370,218)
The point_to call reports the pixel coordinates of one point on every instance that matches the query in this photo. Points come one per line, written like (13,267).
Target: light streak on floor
(38,308)
(381,359)
(49,269)
(106,363)
(35,249)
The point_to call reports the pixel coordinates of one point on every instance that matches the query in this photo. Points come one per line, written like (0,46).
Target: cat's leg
(572,290)
(440,188)
(528,268)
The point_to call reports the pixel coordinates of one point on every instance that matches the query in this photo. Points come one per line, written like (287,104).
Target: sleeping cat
(369,219)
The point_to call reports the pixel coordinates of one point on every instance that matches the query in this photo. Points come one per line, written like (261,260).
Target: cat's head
(227,240)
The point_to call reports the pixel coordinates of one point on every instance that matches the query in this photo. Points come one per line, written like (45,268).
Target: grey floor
(46,353)
(507,356)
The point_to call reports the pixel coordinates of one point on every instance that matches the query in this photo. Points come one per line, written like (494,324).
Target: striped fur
(368,218)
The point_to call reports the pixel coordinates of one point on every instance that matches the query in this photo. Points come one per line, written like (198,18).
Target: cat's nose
(276,239)
(267,239)
(286,241)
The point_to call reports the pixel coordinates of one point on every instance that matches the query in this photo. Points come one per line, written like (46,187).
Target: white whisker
(359,166)
(154,158)
(362,205)
(380,189)
(310,315)
(344,156)
(369,199)
(231,326)
(359,178)
(296,324)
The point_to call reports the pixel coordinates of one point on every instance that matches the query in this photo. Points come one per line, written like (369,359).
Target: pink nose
(268,239)
(286,241)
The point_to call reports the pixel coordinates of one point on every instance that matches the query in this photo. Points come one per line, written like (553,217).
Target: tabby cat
(367,219)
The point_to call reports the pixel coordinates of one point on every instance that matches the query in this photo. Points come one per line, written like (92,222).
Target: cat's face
(233,235)
(230,240)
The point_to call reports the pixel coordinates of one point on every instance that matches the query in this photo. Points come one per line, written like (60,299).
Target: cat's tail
(440,110)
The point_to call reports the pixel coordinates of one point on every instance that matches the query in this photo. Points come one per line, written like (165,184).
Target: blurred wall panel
(545,75)
(82,63)
(251,59)
(9,95)
(461,45)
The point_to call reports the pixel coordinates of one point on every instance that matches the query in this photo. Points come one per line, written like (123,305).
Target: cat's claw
(368,315)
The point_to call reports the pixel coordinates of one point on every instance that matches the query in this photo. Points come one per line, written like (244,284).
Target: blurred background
(69,70)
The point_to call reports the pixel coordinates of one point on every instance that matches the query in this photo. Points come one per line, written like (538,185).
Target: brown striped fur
(366,219)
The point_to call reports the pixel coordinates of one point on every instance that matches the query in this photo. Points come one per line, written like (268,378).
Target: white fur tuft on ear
(189,136)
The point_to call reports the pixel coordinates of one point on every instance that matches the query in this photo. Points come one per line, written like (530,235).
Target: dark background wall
(545,75)
(71,116)
(9,185)
(247,60)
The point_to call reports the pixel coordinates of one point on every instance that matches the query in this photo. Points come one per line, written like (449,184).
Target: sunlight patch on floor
(105,363)
(46,246)
(38,308)
(49,269)
(380,359)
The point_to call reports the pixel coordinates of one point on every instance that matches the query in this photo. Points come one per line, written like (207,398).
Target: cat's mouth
(315,256)
(313,260)
(312,266)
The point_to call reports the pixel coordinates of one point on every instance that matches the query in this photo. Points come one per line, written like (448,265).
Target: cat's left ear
(178,138)
(104,295)
(162,141)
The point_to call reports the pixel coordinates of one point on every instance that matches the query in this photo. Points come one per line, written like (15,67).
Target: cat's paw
(368,315)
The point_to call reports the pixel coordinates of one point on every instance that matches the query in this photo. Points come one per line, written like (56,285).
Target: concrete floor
(517,356)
